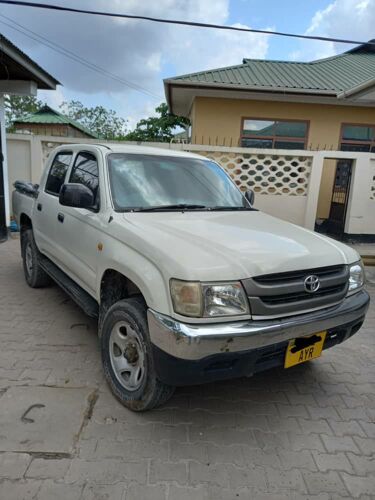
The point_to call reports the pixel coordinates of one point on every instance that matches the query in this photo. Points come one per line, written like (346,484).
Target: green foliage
(17,106)
(158,128)
(105,123)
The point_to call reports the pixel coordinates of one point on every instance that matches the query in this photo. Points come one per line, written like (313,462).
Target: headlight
(204,300)
(356,277)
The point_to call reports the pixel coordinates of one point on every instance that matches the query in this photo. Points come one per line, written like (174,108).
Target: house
(48,121)
(182,136)
(22,76)
(326,104)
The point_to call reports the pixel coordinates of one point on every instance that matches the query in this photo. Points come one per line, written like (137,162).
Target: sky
(141,53)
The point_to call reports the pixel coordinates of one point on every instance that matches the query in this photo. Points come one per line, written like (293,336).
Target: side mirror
(250,195)
(76,195)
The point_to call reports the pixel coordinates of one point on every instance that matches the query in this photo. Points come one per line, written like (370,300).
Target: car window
(85,171)
(57,173)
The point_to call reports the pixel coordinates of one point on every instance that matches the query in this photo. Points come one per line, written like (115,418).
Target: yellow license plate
(304,348)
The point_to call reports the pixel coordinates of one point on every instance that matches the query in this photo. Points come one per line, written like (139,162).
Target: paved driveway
(306,432)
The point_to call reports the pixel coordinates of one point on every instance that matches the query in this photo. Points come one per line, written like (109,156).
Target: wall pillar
(36,159)
(357,211)
(313,191)
(4,190)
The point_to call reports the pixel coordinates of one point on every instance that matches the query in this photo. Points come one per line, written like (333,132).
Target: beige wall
(218,122)
(220,119)
(27,155)
(19,160)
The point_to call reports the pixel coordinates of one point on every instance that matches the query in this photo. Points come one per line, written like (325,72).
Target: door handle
(60,217)
(39,207)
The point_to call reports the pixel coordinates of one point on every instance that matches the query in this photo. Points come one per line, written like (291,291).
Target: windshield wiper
(178,206)
(219,208)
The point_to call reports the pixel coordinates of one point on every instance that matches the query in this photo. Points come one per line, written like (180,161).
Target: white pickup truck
(189,282)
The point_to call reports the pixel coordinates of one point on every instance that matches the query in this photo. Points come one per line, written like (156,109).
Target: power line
(178,22)
(71,55)
(76,58)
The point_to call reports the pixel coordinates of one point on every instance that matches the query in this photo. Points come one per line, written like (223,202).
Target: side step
(80,296)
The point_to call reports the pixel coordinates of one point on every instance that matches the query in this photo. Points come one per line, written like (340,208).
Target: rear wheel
(127,358)
(35,276)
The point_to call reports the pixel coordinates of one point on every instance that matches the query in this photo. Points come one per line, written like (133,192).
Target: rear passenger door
(78,228)
(47,204)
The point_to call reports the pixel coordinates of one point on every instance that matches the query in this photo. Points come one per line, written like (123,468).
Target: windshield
(168,182)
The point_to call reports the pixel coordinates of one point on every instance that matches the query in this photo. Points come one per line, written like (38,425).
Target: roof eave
(251,88)
(17,55)
(168,94)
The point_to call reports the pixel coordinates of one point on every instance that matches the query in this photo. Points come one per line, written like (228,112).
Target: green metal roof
(333,75)
(48,115)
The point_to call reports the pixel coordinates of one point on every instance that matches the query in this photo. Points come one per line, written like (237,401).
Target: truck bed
(23,198)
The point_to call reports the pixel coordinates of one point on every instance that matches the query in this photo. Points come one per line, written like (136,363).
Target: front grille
(284,293)
(296,297)
(289,277)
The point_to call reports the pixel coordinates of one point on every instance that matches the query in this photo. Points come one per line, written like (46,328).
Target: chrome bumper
(196,341)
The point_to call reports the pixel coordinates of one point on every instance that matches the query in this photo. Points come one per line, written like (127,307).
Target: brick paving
(303,433)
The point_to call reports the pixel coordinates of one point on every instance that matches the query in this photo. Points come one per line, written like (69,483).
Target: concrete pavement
(303,433)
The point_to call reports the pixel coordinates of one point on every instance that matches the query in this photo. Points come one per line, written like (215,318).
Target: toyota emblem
(311,283)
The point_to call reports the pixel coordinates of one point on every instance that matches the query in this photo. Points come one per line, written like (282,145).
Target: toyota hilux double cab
(189,282)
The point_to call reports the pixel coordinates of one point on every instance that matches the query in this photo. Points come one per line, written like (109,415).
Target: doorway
(340,197)
(334,197)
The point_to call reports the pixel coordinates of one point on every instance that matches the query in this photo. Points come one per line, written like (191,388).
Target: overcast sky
(144,53)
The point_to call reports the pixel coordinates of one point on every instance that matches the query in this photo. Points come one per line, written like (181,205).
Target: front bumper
(183,353)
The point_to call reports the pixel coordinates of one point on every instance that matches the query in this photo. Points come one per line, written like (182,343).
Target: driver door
(78,231)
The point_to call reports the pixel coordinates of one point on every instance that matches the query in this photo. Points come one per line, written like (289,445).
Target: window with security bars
(274,134)
(359,138)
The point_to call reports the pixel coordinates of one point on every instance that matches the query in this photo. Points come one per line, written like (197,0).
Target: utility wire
(71,55)
(178,22)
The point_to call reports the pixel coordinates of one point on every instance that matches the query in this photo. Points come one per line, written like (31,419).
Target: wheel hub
(127,355)
(131,353)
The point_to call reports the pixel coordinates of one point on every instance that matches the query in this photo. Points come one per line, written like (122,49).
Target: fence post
(36,158)
(313,190)
(359,195)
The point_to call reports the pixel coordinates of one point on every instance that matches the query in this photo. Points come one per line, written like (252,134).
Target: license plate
(304,349)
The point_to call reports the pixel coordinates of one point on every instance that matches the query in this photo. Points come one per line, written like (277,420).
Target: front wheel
(127,358)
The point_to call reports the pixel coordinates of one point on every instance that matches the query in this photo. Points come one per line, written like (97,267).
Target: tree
(17,106)
(158,128)
(105,123)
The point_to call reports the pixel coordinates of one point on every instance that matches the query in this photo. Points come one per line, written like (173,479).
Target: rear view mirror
(250,196)
(76,195)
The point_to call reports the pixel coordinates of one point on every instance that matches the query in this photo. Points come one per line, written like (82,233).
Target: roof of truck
(133,149)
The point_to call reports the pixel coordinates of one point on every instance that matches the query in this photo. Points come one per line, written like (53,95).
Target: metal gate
(340,197)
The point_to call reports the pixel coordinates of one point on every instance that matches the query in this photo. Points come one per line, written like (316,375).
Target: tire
(127,358)
(35,276)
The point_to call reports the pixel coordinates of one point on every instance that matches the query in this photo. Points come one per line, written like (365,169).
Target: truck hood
(214,246)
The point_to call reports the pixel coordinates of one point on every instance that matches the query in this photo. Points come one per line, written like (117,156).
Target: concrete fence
(287,183)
